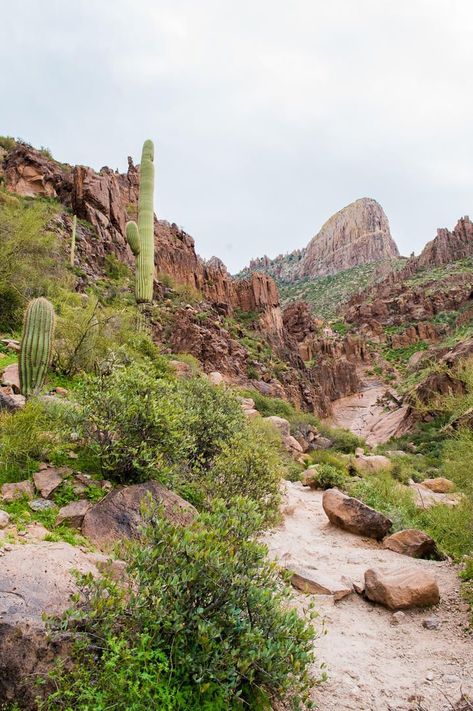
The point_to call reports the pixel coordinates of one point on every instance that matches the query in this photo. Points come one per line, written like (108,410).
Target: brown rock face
(413,543)
(401,589)
(354,516)
(358,234)
(118,516)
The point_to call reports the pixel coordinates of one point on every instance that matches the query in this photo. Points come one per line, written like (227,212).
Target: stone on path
(413,543)
(354,516)
(402,588)
(310,580)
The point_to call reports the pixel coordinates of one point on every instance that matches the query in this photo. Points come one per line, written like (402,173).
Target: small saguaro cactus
(36,344)
(73,240)
(141,236)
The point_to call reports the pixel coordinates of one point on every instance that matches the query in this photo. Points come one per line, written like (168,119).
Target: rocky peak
(358,234)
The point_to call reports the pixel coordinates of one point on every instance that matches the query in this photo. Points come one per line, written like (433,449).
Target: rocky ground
(375,659)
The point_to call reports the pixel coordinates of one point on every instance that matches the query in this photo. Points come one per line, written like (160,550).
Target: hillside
(213,463)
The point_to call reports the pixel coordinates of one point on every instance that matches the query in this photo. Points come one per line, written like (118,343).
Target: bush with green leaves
(326,476)
(249,464)
(342,440)
(131,423)
(205,624)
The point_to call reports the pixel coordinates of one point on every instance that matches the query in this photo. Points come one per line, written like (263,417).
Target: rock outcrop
(357,234)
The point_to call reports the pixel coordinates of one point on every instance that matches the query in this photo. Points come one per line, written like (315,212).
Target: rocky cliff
(357,234)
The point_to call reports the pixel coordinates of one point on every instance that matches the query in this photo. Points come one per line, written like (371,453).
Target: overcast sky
(267,115)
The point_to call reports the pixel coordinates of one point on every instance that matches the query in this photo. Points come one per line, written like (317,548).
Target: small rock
(413,543)
(439,485)
(74,436)
(451,679)
(11,344)
(11,377)
(431,623)
(181,369)
(251,413)
(430,676)
(62,392)
(215,378)
(37,531)
(402,588)
(73,514)
(398,617)
(359,451)
(312,581)
(47,480)
(281,424)
(4,519)
(17,490)
(41,505)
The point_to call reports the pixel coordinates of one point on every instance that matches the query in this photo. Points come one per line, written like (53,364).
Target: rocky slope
(261,353)
(357,234)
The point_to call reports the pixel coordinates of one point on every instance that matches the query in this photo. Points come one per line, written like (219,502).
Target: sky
(267,115)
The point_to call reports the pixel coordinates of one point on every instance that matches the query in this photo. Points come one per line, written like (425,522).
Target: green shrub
(116,269)
(325,476)
(249,464)
(205,624)
(131,423)
(268,406)
(327,456)
(342,440)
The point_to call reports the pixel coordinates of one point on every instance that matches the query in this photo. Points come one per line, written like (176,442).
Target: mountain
(356,235)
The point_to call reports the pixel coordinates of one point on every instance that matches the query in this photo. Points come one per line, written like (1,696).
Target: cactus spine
(141,236)
(73,240)
(36,345)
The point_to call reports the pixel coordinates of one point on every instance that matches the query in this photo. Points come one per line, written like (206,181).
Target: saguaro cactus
(141,236)
(36,344)
(73,240)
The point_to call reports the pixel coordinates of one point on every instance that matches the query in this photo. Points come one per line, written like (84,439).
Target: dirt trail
(372,664)
(365,416)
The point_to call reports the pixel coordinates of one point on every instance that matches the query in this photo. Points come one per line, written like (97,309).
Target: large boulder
(413,543)
(281,424)
(401,588)
(35,578)
(119,515)
(439,485)
(371,464)
(354,516)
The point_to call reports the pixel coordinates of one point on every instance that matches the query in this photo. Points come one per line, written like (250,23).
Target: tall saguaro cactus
(141,236)
(36,345)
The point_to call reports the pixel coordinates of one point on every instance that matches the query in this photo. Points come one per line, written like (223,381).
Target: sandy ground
(365,416)
(372,664)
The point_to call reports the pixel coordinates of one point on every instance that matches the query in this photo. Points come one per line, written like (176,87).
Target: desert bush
(328,456)
(342,440)
(204,625)
(131,423)
(325,476)
(249,464)
(268,406)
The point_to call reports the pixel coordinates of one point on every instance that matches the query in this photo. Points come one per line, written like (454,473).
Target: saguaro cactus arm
(36,345)
(133,237)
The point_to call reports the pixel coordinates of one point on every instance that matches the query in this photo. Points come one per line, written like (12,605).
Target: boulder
(119,515)
(310,580)
(9,400)
(413,543)
(354,516)
(73,514)
(41,505)
(48,479)
(402,588)
(281,424)
(425,498)
(216,378)
(4,519)
(371,464)
(35,578)
(17,490)
(292,445)
(439,485)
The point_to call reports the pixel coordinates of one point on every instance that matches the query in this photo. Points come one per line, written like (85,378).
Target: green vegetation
(327,294)
(204,625)
(326,476)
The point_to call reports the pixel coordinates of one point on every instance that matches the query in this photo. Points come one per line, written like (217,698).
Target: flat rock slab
(413,543)
(309,580)
(119,515)
(354,516)
(402,588)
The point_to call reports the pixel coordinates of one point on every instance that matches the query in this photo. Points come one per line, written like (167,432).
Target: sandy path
(363,414)
(372,664)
